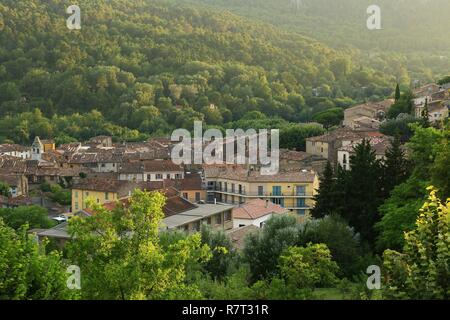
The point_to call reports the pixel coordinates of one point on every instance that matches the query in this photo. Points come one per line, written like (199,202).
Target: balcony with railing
(243,192)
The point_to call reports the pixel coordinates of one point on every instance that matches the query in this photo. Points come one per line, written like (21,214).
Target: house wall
(247,222)
(218,222)
(288,198)
(107,167)
(191,195)
(318,148)
(80,197)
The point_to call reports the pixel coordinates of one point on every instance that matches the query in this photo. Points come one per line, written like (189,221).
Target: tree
(444,80)
(398,213)
(121,257)
(33,216)
(223,253)
(422,270)
(397,92)
(403,105)
(302,269)
(27,272)
(363,191)
(5,189)
(342,240)
(329,118)
(262,249)
(395,167)
(324,204)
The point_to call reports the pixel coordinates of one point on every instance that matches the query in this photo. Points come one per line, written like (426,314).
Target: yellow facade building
(293,190)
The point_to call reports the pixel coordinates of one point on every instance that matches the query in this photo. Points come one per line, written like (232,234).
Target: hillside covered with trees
(146,67)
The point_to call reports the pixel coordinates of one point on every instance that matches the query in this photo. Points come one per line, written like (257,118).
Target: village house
(100,191)
(327,145)
(17,183)
(150,170)
(40,146)
(297,160)
(15,150)
(291,189)
(255,212)
(434,100)
(379,145)
(371,110)
(190,187)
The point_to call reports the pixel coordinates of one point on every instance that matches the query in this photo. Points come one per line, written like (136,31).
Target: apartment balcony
(244,193)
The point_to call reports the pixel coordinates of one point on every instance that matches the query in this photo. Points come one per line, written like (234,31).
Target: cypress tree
(363,191)
(324,199)
(397,93)
(396,167)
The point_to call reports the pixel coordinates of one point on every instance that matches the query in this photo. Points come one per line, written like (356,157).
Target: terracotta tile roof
(191,181)
(13,180)
(238,235)
(13,147)
(378,144)
(257,208)
(344,134)
(174,203)
(13,164)
(238,172)
(161,165)
(374,106)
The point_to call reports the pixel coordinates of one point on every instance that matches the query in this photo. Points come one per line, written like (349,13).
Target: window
(301,203)
(301,212)
(178,176)
(76,194)
(240,189)
(300,190)
(219,219)
(276,190)
(345,158)
(278,201)
(197,196)
(76,205)
(103,165)
(106,196)
(168,176)
(149,177)
(185,195)
(98,200)
(232,188)
(228,216)
(241,225)
(87,194)
(260,190)
(209,221)
(159,176)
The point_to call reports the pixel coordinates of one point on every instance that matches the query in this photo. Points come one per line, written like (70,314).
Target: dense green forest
(414,33)
(147,67)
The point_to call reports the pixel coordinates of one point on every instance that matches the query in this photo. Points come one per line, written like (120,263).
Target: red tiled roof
(257,208)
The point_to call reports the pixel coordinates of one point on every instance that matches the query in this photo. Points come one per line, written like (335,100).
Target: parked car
(61,218)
